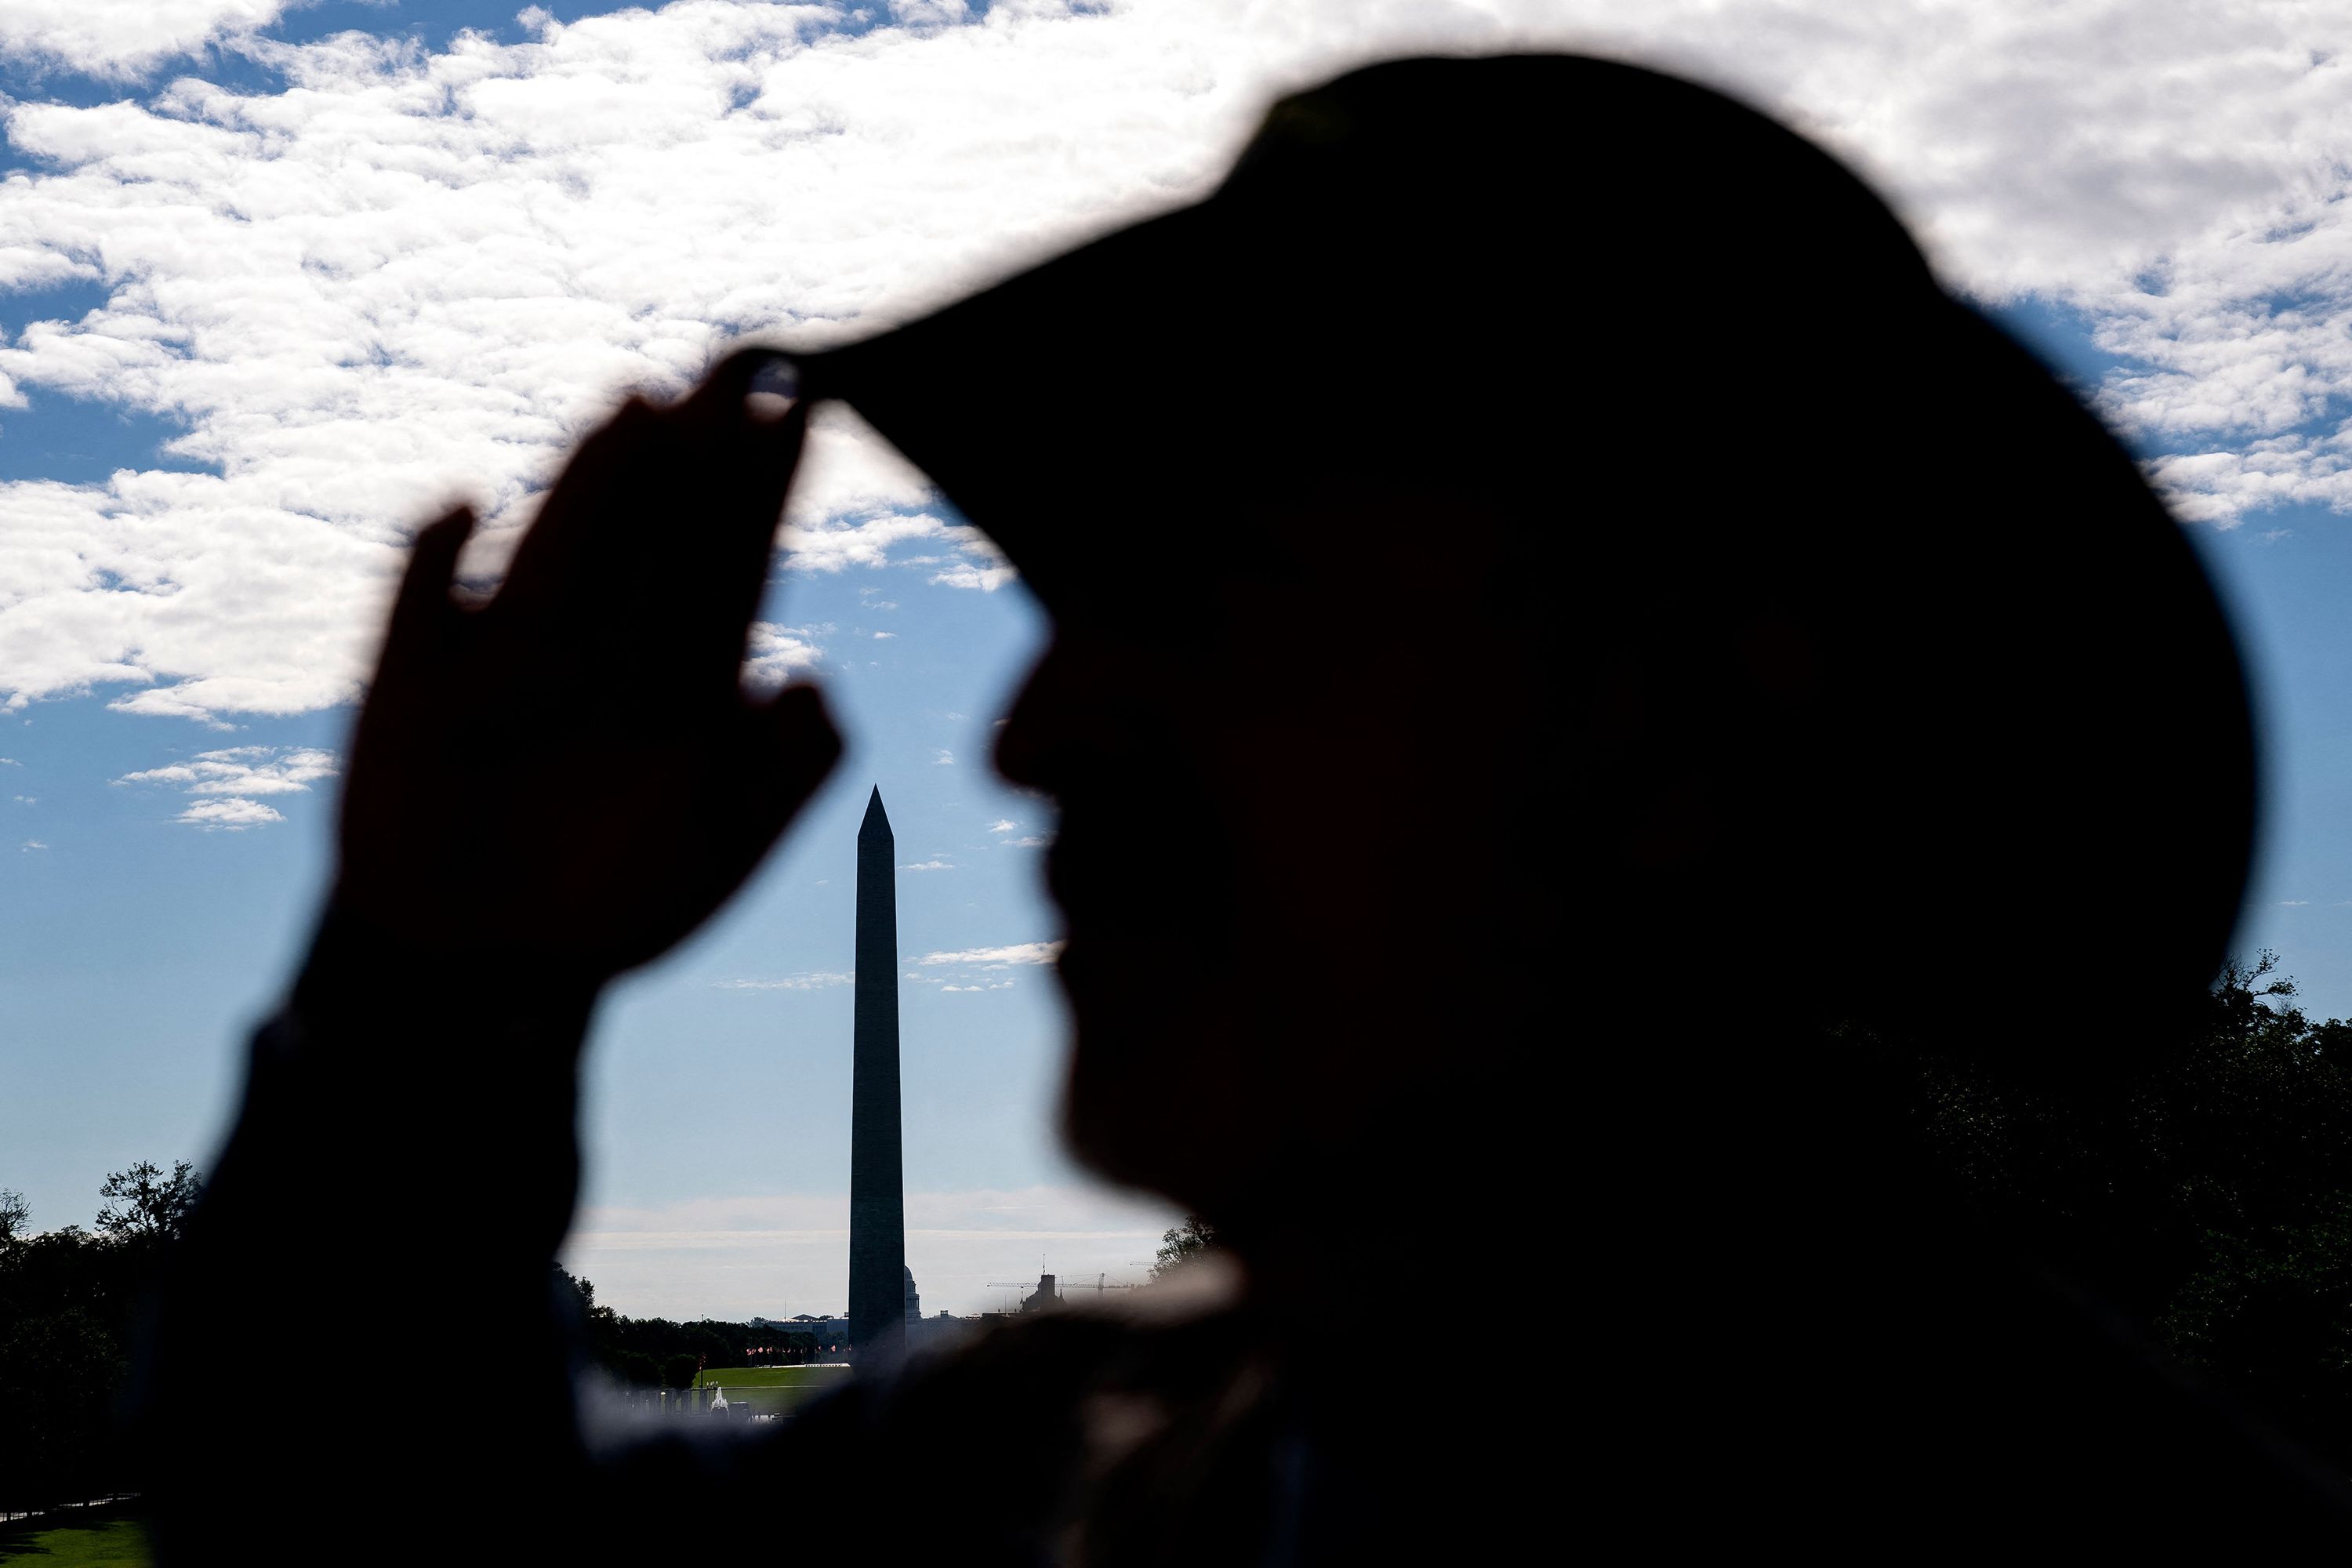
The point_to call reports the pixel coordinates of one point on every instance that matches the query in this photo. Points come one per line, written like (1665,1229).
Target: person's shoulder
(1000,1430)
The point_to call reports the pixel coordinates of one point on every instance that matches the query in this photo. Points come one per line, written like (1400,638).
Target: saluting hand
(573,772)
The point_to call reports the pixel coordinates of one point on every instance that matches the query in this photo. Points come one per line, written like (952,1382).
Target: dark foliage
(1182,1244)
(646,1352)
(147,1208)
(69,1305)
(2206,1192)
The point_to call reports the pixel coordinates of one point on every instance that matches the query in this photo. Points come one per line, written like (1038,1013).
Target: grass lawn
(771,1389)
(103,1542)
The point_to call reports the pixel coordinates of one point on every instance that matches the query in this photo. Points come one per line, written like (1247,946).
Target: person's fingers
(791,745)
(765,445)
(732,380)
(753,456)
(797,742)
(405,694)
(735,546)
(783,749)
(717,528)
(553,570)
(649,556)
(424,598)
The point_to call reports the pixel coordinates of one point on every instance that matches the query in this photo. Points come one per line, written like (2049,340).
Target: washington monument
(877,1201)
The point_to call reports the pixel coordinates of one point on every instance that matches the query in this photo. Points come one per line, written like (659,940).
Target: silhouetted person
(1553,611)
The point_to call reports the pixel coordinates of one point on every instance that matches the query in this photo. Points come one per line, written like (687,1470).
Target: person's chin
(1108,1016)
(1149,1045)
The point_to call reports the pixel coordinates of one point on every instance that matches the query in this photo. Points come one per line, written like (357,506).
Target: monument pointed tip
(877,821)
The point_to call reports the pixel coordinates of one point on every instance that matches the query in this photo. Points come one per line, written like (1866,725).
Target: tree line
(2204,1190)
(70,1300)
(654,1352)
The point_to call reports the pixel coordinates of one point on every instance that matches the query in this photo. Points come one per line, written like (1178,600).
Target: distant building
(832,1333)
(940,1329)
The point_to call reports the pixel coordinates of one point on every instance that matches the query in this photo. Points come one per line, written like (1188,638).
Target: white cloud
(413,273)
(244,770)
(233,812)
(1003,825)
(225,781)
(27,800)
(884,636)
(832,545)
(980,985)
(774,652)
(124,37)
(1030,841)
(943,758)
(997,957)
(817,980)
(929,866)
(987,571)
(30,844)
(418,273)
(987,579)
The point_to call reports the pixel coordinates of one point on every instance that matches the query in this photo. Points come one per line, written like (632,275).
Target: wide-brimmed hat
(1707,367)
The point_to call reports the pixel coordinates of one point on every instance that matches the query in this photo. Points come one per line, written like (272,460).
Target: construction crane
(1061,1287)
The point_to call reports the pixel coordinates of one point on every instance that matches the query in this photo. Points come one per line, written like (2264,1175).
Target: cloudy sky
(276,280)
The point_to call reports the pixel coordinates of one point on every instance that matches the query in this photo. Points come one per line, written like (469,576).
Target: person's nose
(1089,706)
(1025,742)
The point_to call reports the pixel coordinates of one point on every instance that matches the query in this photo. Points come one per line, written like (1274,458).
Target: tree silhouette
(2206,1191)
(145,1206)
(1183,1243)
